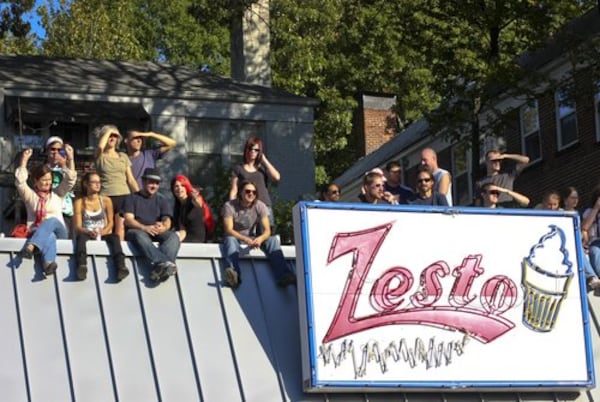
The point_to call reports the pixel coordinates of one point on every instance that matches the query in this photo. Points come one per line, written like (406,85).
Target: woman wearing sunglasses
(425,194)
(257,169)
(490,194)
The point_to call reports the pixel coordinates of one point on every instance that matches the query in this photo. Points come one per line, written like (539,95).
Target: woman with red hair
(257,169)
(192,217)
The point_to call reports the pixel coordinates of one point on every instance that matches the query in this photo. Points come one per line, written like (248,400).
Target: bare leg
(119,229)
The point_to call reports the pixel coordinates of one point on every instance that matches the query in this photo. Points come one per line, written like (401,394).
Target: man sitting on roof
(241,219)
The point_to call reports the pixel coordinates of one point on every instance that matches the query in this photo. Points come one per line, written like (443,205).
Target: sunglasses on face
(253,192)
(494,192)
(55,149)
(253,149)
(334,192)
(427,180)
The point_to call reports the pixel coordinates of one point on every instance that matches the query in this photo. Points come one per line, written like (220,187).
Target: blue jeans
(168,245)
(45,236)
(594,250)
(271,248)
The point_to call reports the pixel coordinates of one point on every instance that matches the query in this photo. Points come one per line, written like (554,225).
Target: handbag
(20,230)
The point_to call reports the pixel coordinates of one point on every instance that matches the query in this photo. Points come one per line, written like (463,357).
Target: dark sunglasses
(254,149)
(494,192)
(55,149)
(250,192)
(424,180)
(334,192)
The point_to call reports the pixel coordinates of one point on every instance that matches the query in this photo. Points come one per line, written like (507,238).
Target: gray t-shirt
(245,220)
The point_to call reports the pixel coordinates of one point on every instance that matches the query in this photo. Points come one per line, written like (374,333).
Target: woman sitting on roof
(44,209)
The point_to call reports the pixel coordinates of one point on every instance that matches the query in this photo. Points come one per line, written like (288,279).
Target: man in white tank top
(443,179)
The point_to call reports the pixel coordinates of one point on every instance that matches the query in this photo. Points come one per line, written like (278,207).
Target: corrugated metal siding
(188,339)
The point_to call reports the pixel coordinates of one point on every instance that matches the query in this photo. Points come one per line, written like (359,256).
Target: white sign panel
(449,299)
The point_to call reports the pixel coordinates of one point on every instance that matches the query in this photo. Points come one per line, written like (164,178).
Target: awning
(43,109)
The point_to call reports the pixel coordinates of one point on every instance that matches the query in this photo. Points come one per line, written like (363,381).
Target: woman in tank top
(93,220)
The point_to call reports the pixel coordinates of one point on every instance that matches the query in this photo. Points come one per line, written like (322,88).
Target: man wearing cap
(141,158)
(505,180)
(56,153)
(148,220)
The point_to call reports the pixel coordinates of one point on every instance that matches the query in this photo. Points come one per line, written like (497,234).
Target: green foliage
(282,211)
(95,29)
(15,31)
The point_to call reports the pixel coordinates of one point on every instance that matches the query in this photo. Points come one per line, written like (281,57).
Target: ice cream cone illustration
(546,275)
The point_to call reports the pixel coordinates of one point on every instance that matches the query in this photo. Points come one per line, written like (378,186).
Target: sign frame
(314,379)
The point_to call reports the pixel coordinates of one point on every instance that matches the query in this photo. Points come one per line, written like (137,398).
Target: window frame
(597,109)
(535,131)
(561,115)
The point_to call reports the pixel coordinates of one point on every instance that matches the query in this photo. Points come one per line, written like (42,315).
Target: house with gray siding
(210,117)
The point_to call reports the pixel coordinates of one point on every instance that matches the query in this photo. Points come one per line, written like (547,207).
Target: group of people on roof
(495,190)
(119,200)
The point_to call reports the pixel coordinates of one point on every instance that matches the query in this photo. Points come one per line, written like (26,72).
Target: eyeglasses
(378,185)
(254,149)
(250,192)
(333,192)
(55,149)
(424,180)
(113,135)
(494,192)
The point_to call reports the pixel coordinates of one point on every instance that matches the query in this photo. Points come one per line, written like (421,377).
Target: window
(461,173)
(566,118)
(597,109)
(213,147)
(530,131)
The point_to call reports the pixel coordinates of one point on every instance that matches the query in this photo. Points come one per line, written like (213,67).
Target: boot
(122,270)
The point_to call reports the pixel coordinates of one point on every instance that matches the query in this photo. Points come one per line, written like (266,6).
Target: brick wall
(577,165)
(376,122)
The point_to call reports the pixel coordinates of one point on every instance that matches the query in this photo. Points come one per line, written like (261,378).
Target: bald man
(443,179)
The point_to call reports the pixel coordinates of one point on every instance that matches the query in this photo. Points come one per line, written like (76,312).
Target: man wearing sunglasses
(490,194)
(373,191)
(242,219)
(148,220)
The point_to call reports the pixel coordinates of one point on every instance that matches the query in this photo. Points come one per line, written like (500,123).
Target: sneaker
(122,272)
(50,268)
(287,280)
(594,283)
(232,278)
(171,268)
(158,272)
(82,272)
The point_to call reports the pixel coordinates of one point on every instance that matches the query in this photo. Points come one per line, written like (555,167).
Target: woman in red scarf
(44,209)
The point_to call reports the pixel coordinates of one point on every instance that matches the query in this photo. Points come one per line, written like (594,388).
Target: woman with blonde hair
(114,168)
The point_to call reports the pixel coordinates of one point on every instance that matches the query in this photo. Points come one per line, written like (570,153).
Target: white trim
(559,134)
(532,132)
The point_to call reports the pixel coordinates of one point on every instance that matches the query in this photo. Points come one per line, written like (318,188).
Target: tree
(94,29)
(334,50)
(472,47)
(15,31)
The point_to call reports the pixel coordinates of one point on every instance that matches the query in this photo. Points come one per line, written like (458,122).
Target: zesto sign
(449,299)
